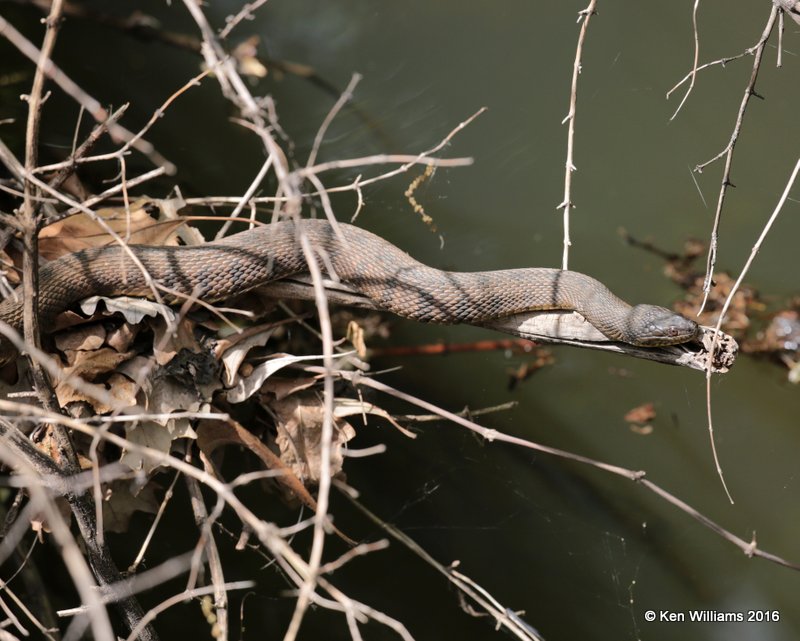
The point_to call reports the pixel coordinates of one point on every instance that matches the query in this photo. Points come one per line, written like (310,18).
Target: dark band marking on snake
(392,279)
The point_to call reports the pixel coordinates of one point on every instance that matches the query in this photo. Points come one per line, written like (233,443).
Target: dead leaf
(245,54)
(85,338)
(355,334)
(299,436)
(154,435)
(122,337)
(642,414)
(638,418)
(120,504)
(88,366)
(184,385)
(283,387)
(7,269)
(169,339)
(235,351)
(246,387)
(82,231)
(123,389)
(132,308)
(213,434)
(168,395)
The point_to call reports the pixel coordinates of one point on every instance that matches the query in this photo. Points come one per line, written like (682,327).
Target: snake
(369,264)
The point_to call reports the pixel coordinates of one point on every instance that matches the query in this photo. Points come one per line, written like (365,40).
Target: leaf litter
(167,373)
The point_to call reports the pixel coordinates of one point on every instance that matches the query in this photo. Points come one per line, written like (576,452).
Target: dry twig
(492,435)
(727,152)
(567,204)
(725,307)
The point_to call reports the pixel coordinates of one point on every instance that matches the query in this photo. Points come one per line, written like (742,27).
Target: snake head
(653,326)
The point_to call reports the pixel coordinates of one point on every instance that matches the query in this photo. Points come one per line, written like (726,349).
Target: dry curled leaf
(8,273)
(234,350)
(132,308)
(246,386)
(355,334)
(300,418)
(213,434)
(122,389)
(89,366)
(283,387)
(121,338)
(247,62)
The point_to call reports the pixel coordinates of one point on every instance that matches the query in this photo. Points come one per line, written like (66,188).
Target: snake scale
(377,269)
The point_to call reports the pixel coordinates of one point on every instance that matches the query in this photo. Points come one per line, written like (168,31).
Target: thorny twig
(245,13)
(637,476)
(293,565)
(463,583)
(304,573)
(80,502)
(728,153)
(757,50)
(727,303)
(95,109)
(567,204)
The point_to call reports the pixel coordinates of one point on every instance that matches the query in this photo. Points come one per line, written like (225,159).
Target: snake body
(374,267)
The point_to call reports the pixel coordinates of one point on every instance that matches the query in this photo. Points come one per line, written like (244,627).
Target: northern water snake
(387,275)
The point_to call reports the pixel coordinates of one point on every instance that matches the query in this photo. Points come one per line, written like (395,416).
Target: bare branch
(97,111)
(492,435)
(728,153)
(566,204)
(693,73)
(723,311)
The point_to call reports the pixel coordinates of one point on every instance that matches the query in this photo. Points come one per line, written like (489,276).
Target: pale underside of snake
(388,276)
